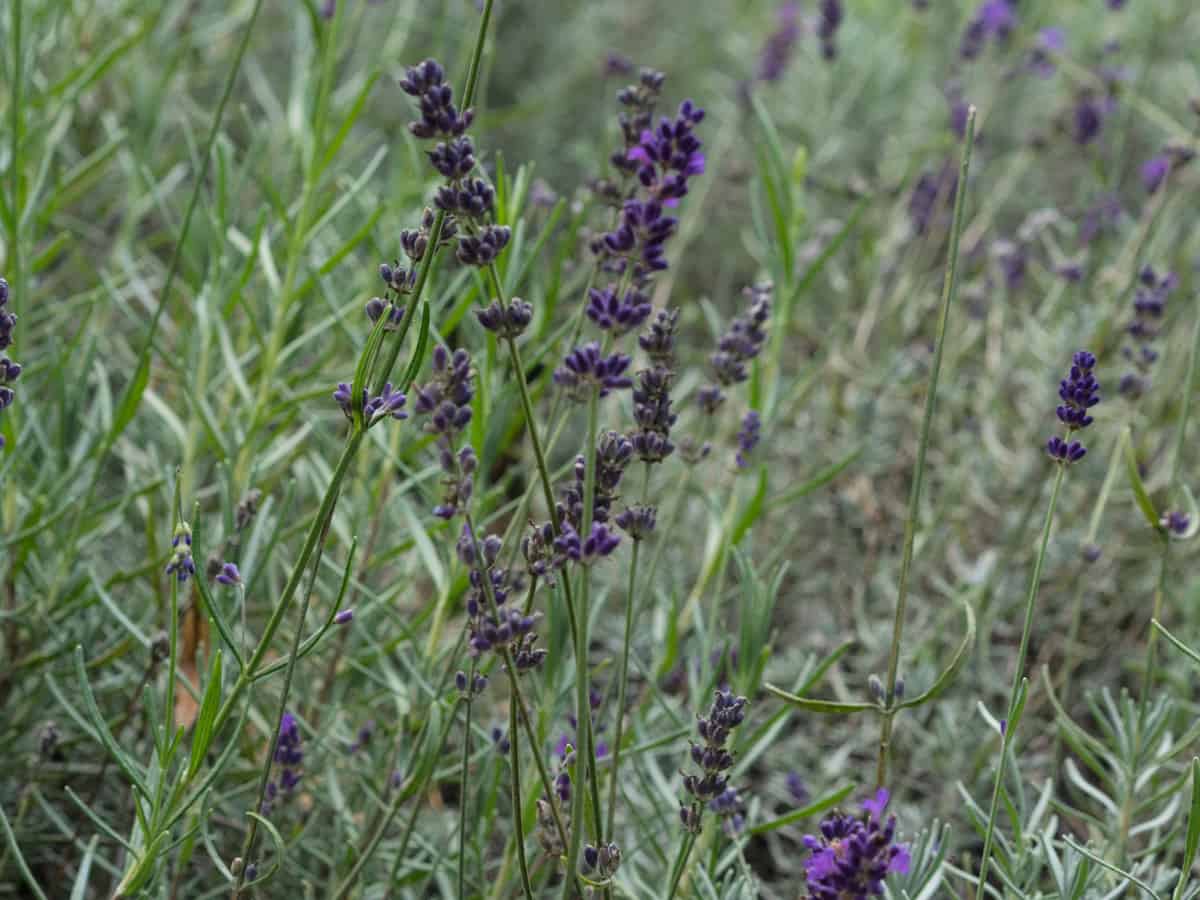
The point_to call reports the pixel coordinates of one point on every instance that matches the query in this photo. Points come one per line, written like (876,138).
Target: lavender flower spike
(852,857)
(584,369)
(1079,392)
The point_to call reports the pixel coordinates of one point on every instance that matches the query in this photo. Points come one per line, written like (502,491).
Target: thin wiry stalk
(514,750)
(949,290)
(1018,676)
(463,785)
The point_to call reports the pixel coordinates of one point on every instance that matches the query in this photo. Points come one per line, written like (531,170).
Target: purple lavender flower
(1149,305)
(439,117)
(1079,392)
(289,756)
(831,15)
(1088,115)
(444,402)
(344,617)
(600,542)
(363,738)
(637,521)
(182,566)
(601,862)
(493,626)
(229,575)
(994,20)
(797,789)
(779,46)
(851,856)
(1176,522)
(1049,43)
(670,155)
(617,65)
(729,806)
(662,158)
(9,371)
(713,758)
(1154,172)
(933,192)
(506,321)
(585,369)
(740,344)
(388,403)
(618,314)
(748,437)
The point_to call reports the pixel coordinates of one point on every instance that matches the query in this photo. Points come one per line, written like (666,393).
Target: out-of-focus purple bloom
(797,789)
(363,738)
(958,109)
(586,369)
(779,46)
(933,192)
(445,404)
(748,437)
(344,617)
(730,807)
(994,20)
(831,16)
(9,371)
(289,756)
(743,340)
(500,740)
(851,856)
(1149,305)
(1049,43)
(1176,522)
(637,521)
(617,65)
(229,574)
(1116,4)
(1088,116)
(1013,260)
(1154,172)
(1103,215)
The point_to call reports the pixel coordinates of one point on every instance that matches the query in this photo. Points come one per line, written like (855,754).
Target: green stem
(289,672)
(622,683)
(677,870)
(514,683)
(949,290)
(514,749)
(462,797)
(1011,726)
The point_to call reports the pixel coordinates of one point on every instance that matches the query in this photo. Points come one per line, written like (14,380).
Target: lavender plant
(399,461)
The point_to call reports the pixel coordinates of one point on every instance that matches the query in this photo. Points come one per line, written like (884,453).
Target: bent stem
(949,290)
(1011,725)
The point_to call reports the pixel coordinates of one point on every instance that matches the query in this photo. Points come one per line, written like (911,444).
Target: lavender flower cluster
(1149,305)
(9,370)
(182,566)
(289,757)
(1079,392)
(445,404)
(494,624)
(713,757)
(852,855)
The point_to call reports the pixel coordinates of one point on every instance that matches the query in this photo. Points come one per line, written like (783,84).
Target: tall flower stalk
(949,291)
(1079,392)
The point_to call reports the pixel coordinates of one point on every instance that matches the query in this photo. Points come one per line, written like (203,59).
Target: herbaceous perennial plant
(533,469)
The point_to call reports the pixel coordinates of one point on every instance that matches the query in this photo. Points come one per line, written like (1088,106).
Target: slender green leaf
(956,662)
